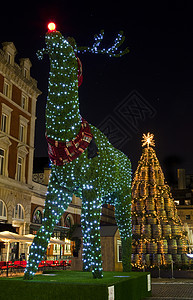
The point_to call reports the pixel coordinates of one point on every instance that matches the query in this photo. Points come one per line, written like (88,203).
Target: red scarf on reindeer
(61,153)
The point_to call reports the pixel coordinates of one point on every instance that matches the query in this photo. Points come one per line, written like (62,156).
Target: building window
(67,247)
(23,129)
(4,154)
(9,58)
(25,72)
(119,251)
(37,217)
(2,160)
(21,163)
(18,212)
(177,202)
(3,211)
(19,168)
(4,122)
(56,249)
(22,133)
(24,102)
(6,118)
(7,89)
(187,202)
(187,217)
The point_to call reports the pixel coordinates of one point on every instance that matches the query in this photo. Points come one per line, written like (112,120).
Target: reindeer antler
(110,51)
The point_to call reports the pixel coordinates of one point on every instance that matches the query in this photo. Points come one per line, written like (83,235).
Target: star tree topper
(148,140)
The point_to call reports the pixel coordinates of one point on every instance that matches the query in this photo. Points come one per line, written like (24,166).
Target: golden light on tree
(158,234)
(148,140)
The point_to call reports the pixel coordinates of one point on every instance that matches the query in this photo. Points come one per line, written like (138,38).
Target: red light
(52,26)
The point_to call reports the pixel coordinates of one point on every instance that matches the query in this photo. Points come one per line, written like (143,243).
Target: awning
(7,236)
(10,237)
(56,241)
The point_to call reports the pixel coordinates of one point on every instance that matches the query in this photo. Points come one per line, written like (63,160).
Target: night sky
(149,89)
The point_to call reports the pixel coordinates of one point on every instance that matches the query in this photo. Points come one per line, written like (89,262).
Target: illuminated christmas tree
(158,236)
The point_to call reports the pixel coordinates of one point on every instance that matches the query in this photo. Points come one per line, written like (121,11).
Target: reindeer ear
(40,53)
(72,42)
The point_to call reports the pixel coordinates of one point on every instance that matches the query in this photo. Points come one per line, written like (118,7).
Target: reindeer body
(106,178)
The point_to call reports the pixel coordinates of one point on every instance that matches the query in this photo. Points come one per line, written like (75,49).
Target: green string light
(104,178)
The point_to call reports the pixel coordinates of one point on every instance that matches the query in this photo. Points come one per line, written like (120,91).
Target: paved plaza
(172,289)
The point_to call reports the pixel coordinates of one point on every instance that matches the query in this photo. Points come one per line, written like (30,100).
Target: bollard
(172,269)
(143,265)
(159,271)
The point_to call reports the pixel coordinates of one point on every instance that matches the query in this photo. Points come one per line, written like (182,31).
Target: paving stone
(174,290)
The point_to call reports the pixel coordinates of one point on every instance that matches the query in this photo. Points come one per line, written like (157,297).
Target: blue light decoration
(110,51)
(106,178)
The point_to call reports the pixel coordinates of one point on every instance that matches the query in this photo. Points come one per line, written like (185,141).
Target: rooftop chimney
(181,179)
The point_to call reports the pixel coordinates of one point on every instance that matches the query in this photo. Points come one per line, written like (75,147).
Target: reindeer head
(63,53)
(54,41)
(59,49)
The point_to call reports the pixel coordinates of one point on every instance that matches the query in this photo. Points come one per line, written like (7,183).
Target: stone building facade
(183,195)
(18,96)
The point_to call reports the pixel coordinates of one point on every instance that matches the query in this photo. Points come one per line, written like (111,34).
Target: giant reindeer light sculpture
(83,161)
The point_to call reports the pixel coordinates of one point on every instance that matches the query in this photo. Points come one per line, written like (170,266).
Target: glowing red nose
(52,26)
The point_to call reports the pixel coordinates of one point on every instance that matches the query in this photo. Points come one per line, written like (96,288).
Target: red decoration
(80,76)
(52,26)
(61,153)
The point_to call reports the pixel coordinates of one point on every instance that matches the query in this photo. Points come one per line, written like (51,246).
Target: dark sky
(150,89)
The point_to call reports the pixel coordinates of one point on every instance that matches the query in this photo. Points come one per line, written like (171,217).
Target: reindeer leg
(123,219)
(57,201)
(91,214)
(85,222)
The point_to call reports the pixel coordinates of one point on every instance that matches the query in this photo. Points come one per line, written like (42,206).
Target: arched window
(69,221)
(3,211)
(18,212)
(37,217)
